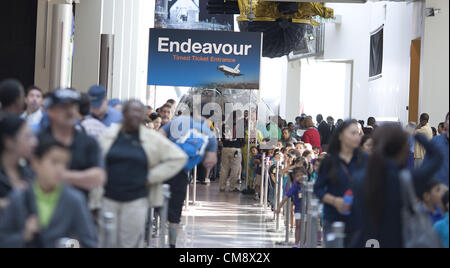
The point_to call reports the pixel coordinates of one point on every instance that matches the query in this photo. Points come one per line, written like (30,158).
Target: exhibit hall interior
(224,124)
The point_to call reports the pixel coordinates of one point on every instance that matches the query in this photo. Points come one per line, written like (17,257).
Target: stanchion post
(304,211)
(339,234)
(288,217)
(157,223)
(247,175)
(194,197)
(164,214)
(313,215)
(151,216)
(263,194)
(315,227)
(276,192)
(309,208)
(266,182)
(279,186)
(108,221)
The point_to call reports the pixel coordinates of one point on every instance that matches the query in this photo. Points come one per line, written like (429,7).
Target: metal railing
(279,186)
(311,213)
(263,193)
(164,212)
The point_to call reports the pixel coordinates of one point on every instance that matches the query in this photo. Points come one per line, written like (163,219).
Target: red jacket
(312,137)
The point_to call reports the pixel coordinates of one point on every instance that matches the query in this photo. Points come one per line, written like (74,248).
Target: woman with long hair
(335,177)
(378,191)
(17,143)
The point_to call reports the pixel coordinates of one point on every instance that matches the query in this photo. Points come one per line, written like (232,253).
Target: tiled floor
(227,220)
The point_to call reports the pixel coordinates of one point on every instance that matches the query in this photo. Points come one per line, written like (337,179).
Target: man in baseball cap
(100,109)
(61,106)
(86,170)
(61,97)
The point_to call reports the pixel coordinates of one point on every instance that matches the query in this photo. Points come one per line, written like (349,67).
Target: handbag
(418,232)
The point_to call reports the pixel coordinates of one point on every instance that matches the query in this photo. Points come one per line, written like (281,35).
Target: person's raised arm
(434,160)
(171,161)
(92,177)
(285,199)
(88,179)
(321,186)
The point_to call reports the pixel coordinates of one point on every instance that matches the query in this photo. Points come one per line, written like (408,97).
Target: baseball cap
(98,95)
(62,96)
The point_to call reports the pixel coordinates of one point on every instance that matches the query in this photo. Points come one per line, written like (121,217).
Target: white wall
(388,96)
(290,97)
(129,21)
(435,88)
(325,88)
(273,83)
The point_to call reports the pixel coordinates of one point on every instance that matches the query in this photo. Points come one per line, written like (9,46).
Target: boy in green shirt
(48,211)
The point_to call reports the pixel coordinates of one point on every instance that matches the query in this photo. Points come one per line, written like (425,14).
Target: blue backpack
(193,143)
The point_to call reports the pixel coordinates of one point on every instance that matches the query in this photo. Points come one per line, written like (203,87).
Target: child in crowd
(442,226)
(322,156)
(431,201)
(277,158)
(285,152)
(295,192)
(316,167)
(255,165)
(316,152)
(48,211)
(290,146)
(279,145)
(308,147)
(308,156)
(300,146)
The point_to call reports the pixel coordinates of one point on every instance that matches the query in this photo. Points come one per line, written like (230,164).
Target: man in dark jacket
(324,131)
(331,126)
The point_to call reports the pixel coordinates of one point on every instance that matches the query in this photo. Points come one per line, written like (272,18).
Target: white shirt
(300,132)
(34,118)
(93,127)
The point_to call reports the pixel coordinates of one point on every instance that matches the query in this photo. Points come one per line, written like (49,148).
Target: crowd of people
(358,174)
(66,158)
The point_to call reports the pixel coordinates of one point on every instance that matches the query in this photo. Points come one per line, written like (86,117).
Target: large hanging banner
(208,59)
